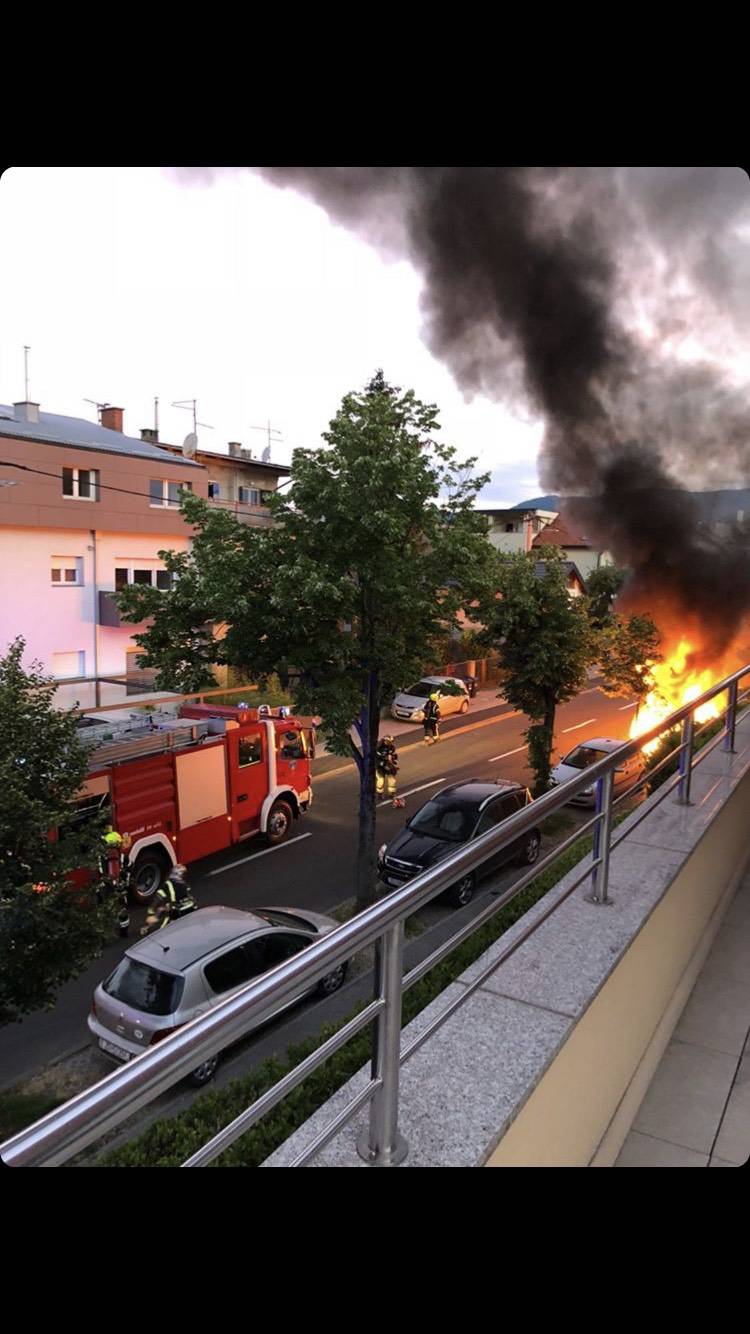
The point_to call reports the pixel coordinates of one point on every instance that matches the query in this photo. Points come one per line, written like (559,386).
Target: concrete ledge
(546,1063)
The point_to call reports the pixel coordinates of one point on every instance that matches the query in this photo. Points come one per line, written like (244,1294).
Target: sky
(128,284)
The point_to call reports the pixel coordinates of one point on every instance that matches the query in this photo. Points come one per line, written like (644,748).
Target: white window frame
(140,563)
(214,490)
(63,563)
(250,490)
(165,503)
(93,474)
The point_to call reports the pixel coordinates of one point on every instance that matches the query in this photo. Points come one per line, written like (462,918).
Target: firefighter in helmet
(432,719)
(386,768)
(113,866)
(170,901)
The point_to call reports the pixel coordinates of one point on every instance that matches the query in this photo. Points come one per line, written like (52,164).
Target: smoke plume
(588,294)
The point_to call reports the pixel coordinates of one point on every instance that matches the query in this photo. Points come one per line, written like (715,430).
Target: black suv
(456,815)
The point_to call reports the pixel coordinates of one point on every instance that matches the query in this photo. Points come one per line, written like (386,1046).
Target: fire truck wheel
(279,822)
(146,877)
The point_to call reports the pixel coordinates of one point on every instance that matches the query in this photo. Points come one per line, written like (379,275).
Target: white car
(587,753)
(408,706)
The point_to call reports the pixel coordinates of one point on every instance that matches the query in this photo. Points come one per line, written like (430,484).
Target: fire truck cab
(183,787)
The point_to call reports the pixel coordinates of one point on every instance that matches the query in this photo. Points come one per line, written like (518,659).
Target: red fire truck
(182,787)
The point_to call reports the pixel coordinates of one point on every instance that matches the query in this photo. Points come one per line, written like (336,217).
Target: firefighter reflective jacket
(386,759)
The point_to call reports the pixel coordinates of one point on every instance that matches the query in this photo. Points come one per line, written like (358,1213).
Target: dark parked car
(457,815)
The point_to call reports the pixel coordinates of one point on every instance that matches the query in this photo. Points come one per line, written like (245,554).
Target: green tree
(625,652)
(544,644)
(374,548)
(602,586)
(50,933)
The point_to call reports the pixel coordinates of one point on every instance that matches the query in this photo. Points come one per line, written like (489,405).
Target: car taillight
(163,1033)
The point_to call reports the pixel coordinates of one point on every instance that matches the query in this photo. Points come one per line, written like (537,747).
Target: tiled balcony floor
(696,1112)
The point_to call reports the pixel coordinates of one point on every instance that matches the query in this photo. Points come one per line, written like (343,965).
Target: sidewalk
(483,700)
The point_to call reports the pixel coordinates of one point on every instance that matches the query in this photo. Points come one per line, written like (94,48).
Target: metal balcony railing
(79,1123)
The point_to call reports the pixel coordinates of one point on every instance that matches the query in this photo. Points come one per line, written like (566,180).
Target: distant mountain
(725,504)
(539,503)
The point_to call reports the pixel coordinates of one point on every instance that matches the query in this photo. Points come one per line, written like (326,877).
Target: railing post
(381,1145)
(731,717)
(602,838)
(686,761)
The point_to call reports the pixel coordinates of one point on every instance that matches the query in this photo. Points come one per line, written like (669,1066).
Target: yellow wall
(582,1109)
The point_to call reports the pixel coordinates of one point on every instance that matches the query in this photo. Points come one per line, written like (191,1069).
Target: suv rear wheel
(530,849)
(462,893)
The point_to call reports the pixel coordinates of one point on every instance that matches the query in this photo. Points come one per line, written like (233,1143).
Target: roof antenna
(189,403)
(26,351)
(99,407)
(270,431)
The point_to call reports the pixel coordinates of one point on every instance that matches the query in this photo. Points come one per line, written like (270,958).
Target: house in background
(237,481)
(84,515)
(514,529)
(576,584)
(573,543)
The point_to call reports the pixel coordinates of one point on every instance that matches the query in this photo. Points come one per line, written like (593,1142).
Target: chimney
(150,434)
(235,449)
(26,412)
(112,418)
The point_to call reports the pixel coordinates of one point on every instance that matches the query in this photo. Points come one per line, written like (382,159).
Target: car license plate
(113,1050)
(396,884)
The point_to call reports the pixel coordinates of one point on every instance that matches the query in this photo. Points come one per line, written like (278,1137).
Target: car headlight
(381,851)
(418,715)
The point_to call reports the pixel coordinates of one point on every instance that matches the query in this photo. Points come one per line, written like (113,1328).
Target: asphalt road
(315,868)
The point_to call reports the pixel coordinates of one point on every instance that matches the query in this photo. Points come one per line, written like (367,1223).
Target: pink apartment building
(85,514)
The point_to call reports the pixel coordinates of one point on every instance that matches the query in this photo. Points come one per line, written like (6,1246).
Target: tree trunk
(541,736)
(366,850)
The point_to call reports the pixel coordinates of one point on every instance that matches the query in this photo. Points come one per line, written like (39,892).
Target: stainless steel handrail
(71,1128)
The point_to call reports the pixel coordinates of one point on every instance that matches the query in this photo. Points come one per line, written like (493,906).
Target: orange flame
(675,683)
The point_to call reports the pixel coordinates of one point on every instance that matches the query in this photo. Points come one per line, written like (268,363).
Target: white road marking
(231,865)
(506,753)
(628,706)
(411,792)
(575,727)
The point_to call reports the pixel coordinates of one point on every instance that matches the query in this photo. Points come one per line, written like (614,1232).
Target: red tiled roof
(560,534)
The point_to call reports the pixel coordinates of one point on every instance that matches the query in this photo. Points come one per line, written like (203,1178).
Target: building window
(67,571)
(214,491)
(265,497)
(510,528)
(249,496)
(67,665)
(80,483)
(166,495)
(138,572)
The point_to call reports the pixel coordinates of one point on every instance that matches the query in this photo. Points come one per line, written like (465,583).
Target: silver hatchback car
(183,970)
(409,704)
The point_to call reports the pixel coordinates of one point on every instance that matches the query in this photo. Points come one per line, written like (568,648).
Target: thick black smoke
(567,289)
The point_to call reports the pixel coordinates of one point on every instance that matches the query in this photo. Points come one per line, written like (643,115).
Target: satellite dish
(266,455)
(189,445)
